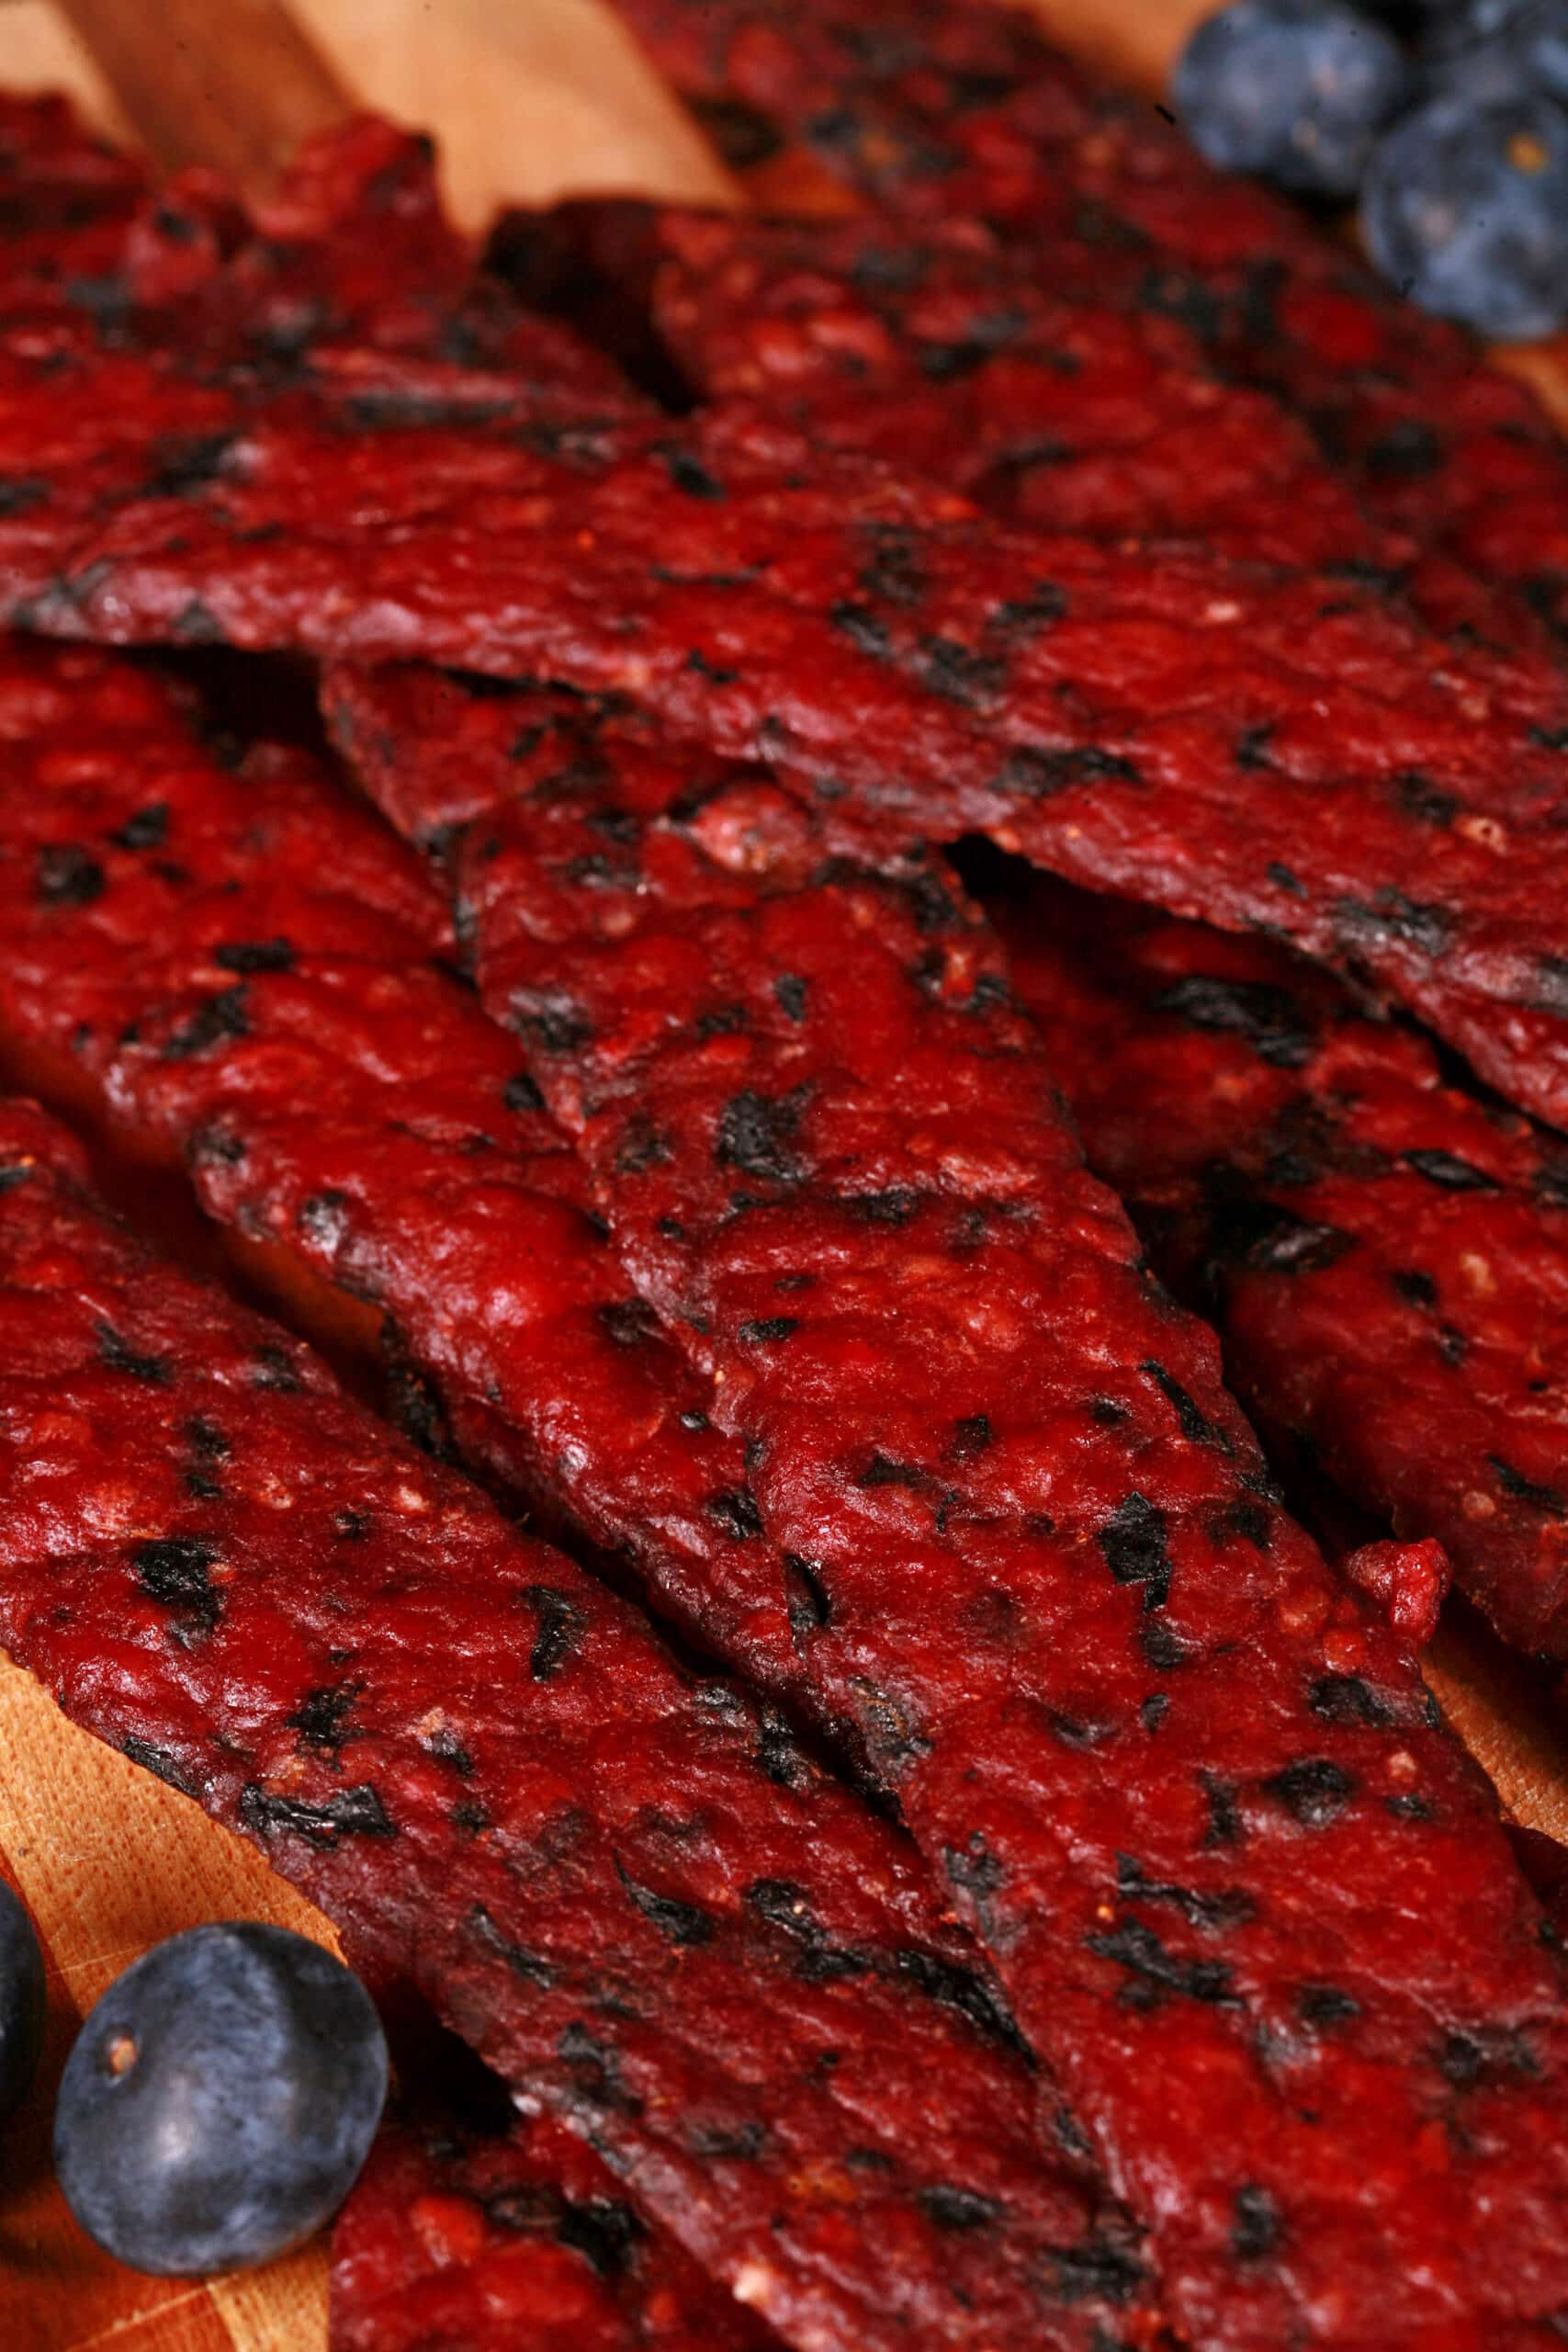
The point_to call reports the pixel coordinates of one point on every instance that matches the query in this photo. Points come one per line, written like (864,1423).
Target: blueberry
(1294,89)
(21,2001)
(1466,209)
(1499,49)
(219,2100)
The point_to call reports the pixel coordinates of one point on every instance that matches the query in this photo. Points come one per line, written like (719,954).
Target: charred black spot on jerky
(1414,1287)
(1108,1412)
(526,1964)
(642,1145)
(1133,1946)
(16,1171)
(698,663)
(274,1370)
(959,674)
(931,904)
(866,632)
(520,1094)
(689,475)
(1552,993)
(677,1922)
(65,875)
(320,1715)
(559,1622)
(1132,1541)
(1452,1344)
(552,1018)
(1098,2269)
(894,1207)
(1225,1827)
(1244,1519)
(116,1353)
(1408,451)
(1321,2007)
(1026,615)
(1349,1698)
(735,1511)
(1270,1020)
(756,1135)
(628,1322)
(1313,1791)
(1284,880)
(322,1220)
(1521,1490)
(219,1020)
(1258,2227)
(778,1751)
(961,1989)
(767,1331)
(722,1021)
(1391,916)
(1450,1173)
(174,1571)
(148,829)
(1421,798)
(1194,1425)
(883,1471)
(20,492)
(603,2230)
(889,1733)
(1162,1646)
(255,956)
(186,463)
(974,1867)
(1230,1907)
(735,2142)
(957,2209)
(447,1748)
(1468,2058)
(347,1813)
(787,1907)
(1266,1239)
(159,1761)
(1252,747)
(971,1437)
(1409,1809)
(806,1601)
(1038,775)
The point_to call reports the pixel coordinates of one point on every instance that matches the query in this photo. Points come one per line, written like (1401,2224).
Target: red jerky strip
(1168,1767)
(452,2241)
(240,971)
(1268,746)
(1386,1257)
(942,350)
(640,1905)
(943,109)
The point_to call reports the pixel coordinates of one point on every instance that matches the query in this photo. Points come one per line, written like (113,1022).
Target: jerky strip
(1161,1757)
(452,2239)
(1097,706)
(576,1851)
(948,109)
(1387,1258)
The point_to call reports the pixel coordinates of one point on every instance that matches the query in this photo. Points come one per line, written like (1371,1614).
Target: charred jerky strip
(1098,708)
(452,2241)
(1162,1758)
(1386,1257)
(940,109)
(586,1858)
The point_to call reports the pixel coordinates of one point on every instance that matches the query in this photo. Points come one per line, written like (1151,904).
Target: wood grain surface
(530,99)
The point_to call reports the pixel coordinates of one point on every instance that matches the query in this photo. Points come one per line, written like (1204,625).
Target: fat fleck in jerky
(1100,707)
(1163,1759)
(726,1979)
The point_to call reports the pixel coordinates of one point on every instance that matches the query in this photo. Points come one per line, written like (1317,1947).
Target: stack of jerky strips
(1040,1904)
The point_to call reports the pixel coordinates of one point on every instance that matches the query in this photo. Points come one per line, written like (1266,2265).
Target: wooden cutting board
(530,101)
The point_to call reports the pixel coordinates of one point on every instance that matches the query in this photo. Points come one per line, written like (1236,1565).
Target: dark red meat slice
(1270,747)
(633,1895)
(452,2241)
(1386,1257)
(1165,1762)
(943,110)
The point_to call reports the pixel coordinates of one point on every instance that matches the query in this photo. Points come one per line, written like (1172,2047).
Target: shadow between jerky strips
(926,671)
(1178,1779)
(488,1770)
(945,111)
